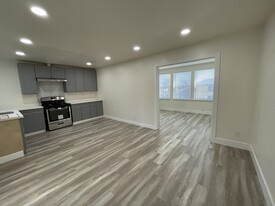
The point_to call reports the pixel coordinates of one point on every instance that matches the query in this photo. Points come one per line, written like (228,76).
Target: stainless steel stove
(58,113)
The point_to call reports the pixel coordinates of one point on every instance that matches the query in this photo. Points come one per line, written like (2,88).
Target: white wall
(201,107)
(263,141)
(10,91)
(128,88)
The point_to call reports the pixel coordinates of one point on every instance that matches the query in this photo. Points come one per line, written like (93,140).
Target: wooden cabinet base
(11,139)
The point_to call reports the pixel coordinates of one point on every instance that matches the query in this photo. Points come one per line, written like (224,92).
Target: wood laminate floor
(105,162)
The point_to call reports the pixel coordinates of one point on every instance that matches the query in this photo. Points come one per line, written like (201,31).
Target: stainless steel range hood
(50,80)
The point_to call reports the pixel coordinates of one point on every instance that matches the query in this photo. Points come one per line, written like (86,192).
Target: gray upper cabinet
(79,79)
(90,81)
(42,71)
(58,73)
(70,85)
(27,78)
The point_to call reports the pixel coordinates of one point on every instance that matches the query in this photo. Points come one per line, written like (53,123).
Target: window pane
(204,84)
(164,86)
(182,85)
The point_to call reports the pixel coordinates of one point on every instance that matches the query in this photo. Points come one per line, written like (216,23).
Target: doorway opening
(187,95)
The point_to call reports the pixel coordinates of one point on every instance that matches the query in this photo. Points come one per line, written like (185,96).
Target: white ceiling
(78,31)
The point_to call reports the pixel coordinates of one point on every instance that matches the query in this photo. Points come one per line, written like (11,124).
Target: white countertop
(28,107)
(15,114)
(82,101)
(37,106)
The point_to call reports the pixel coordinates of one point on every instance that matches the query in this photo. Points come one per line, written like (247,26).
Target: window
(164,86)
(204,84)
(182,85)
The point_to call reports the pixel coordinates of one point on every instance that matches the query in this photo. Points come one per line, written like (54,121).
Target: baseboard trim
(186,110)
(131,122)
(248,147)
(34,133)
(263,183)
(12,156)
(231,143)
(87,120)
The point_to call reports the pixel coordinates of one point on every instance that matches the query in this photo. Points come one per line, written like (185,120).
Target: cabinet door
(86,111)
(93,109)
(70,85)
(76,112)
(27,78)
(58,73)
(42,71)
(79,80)
(99,108)
(94,80)
(90,80)
(33,120)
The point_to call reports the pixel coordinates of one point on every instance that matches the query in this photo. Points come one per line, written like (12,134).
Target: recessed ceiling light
(39,11)
(185,31)
(136,48)
(26,41)
(89,63)
(19,53)
(107,58)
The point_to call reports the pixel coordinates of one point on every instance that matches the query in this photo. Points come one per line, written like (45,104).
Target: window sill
(189,100)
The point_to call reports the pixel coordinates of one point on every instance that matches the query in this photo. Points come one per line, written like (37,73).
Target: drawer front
(31,112)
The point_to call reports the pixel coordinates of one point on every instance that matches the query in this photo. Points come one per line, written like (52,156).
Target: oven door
(58,114)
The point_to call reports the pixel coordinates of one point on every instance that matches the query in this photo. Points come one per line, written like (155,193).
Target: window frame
(191,90)
(205,100)
(192,98)
(171,82)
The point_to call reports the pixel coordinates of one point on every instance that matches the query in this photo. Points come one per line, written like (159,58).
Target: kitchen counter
(11,136)
(28,107)
(82,101)
(8,115)
(37,106)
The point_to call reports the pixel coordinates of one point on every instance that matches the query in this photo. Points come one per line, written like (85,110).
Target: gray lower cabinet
(76,112)
(99,107)
(33,120)
(79,80)
(93,109)
(70,85)
(27,78)
(90,81)
(87,110)
(58,73)
(42,71)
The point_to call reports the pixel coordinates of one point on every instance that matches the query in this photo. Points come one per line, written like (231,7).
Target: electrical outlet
(237,133)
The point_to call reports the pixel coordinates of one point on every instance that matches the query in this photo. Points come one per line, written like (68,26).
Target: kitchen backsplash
(80,95)
(48,89)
